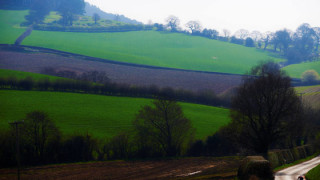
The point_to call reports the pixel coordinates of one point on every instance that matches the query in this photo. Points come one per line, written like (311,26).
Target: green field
(154,48)
(103,116)
(296,70)
(4,73)
(10,28)
(314,173)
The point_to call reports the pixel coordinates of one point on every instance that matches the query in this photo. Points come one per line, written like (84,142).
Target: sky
(261,15)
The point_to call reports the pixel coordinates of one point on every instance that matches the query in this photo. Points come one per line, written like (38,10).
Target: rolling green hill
(150,48)
(162,49)
(103,116)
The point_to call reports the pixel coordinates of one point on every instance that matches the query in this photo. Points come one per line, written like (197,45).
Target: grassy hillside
(147,47)
(103,116)
(296,70)
(311,95)
(154,48)
(10,28)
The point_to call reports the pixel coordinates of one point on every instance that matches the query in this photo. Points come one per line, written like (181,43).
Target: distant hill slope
(91,9)
(161,49)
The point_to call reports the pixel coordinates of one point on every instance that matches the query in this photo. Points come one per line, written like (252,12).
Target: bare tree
(265,108)
(256,35)
(164,125)
(194,26)
(226,33)
(242,34)
(173,22)
(267,37)
(38,129)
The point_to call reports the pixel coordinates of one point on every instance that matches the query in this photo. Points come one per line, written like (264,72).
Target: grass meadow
(102,116)
(10,28)
(153,48)
(296,70)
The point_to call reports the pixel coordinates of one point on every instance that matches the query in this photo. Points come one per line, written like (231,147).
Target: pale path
(292,173)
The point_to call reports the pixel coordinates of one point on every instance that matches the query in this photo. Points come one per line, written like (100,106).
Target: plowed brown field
(35,60)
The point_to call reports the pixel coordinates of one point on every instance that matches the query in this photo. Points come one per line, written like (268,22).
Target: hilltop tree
(282,40)
(173,22)
(38,10)
(242,34)
(256,35)
(210,33)
(96,17)
(194,26)
(265,108)
(267,37)
(69,8)
(226,33)
(164,126)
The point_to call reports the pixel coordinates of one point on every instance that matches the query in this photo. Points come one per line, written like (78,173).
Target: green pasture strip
(314,174)
(296,70)
(10,28)
(103,116)
(4,73)
(155,48)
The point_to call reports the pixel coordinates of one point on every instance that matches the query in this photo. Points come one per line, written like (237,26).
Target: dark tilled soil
(35,61)
(188,168)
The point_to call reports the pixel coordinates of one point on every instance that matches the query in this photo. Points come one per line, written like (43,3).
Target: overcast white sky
(261,15)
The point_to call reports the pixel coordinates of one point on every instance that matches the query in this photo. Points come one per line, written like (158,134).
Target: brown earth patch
(206,167)
(34,60)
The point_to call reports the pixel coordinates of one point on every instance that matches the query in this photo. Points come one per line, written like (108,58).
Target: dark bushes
(255,167)
(84,84)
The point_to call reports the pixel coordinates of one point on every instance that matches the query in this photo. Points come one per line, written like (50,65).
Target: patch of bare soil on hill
(188,168)
(35,61)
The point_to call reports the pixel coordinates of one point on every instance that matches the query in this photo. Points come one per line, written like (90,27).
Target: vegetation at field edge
(314,173)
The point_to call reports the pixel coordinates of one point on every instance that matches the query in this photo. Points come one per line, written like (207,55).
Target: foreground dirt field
(35,60)
(188,168)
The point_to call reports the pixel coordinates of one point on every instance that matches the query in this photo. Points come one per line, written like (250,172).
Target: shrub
(249,42)
(255,166)
(310,76)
